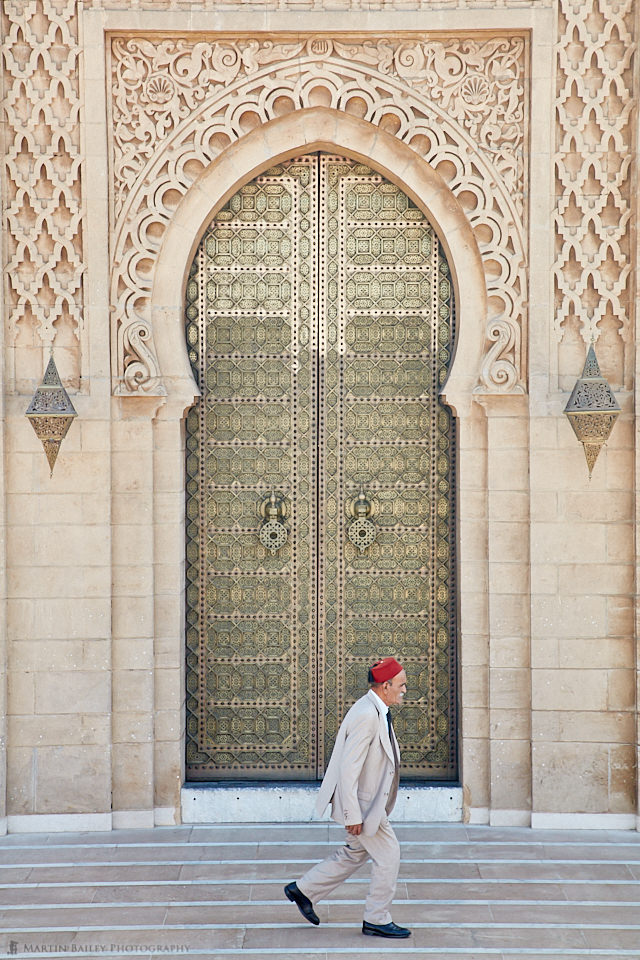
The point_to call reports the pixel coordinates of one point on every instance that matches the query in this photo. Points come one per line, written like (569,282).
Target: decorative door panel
(386,300)
(251,637)
(319,322)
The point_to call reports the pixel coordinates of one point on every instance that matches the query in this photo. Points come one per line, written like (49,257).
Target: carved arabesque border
(178,102)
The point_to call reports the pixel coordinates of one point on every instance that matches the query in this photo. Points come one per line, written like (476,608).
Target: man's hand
(355,829)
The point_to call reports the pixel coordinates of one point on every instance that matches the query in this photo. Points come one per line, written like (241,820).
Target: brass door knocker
(273,532)
(362,531)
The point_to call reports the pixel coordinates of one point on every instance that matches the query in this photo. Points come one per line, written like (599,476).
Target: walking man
(361,783)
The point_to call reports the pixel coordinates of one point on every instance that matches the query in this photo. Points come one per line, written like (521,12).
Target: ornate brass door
(320,328)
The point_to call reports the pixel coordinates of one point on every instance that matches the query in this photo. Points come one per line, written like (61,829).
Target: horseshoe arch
(306,131)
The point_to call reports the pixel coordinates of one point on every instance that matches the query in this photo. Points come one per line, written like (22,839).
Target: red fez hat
(384,670)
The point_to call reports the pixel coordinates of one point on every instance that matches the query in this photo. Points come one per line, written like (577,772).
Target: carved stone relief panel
(317,5)
(594,137)
(43,210)
(458,102)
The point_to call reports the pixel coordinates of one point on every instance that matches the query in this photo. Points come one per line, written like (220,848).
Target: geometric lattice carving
(43,214)
(457,101)
(594,149)
(333,267)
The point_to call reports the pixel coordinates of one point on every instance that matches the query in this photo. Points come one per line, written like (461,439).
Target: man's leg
(324,877)
(384,850)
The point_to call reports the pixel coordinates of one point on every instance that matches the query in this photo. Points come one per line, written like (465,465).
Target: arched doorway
(320,327)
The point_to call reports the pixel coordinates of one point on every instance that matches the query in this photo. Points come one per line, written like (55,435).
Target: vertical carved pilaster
(594,134)
(43,215)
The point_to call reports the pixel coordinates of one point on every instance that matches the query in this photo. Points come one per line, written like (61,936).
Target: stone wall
(583,645)
(58,532)
(513,124)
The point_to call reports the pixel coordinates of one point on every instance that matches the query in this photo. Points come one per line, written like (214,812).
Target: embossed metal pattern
(320,323)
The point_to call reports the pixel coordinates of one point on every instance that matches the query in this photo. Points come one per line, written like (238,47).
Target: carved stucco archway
(452,107)
(305,132)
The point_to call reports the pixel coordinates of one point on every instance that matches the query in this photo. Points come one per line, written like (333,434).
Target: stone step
(216,891)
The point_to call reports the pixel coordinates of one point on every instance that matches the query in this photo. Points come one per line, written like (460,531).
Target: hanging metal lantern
(51,412)
(592,409)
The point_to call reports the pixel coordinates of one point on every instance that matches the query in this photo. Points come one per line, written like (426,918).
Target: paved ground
(468,893)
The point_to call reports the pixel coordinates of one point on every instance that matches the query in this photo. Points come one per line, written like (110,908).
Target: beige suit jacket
(360,775)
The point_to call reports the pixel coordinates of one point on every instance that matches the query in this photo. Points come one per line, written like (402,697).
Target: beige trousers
(384,850)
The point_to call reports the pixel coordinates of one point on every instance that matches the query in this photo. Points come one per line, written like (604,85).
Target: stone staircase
(467,892)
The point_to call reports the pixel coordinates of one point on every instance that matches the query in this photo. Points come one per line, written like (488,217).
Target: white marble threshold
(295,803)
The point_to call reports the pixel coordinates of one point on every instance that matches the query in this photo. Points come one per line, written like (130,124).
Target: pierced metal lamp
(51,412)
(592,409)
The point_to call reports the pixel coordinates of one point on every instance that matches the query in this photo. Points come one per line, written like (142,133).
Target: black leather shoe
(385,930)
(303,903)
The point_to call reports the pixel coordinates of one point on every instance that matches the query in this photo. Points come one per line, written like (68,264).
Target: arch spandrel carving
(441,99)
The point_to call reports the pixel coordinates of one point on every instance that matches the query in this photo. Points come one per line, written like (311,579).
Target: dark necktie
(391,737)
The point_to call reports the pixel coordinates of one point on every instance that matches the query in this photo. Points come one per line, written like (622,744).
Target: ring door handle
(362,530)
(273,531)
